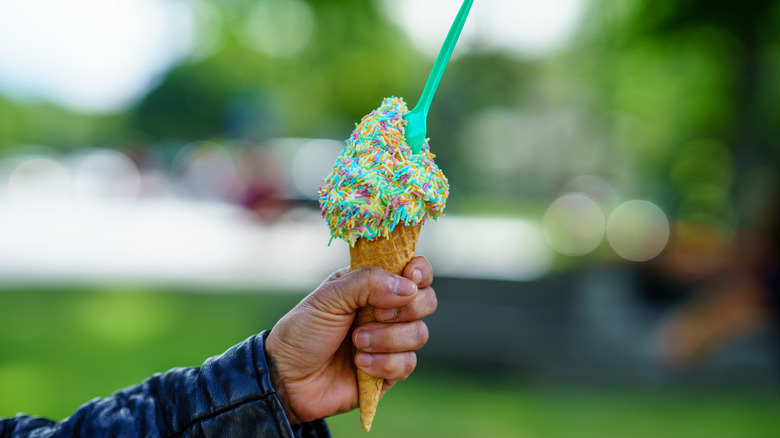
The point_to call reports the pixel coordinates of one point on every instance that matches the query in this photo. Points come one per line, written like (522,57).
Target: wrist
(281,394)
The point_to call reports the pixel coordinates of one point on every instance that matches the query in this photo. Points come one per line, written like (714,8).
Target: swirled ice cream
(377,182)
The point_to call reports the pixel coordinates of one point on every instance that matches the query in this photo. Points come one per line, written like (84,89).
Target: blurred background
(608,264)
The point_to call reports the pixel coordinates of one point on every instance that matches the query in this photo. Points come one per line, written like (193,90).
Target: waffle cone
(392,254)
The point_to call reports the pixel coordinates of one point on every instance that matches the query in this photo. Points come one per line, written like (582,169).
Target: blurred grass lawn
(59,349)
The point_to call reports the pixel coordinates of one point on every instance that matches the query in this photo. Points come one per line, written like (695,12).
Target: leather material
(230,395)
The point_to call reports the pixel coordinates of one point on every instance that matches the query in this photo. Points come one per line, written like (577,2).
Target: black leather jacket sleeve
(230,395)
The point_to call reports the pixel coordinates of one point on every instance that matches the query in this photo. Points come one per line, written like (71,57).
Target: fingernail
(362,340)
(363,360)
(385,314)
(404,287)
(416,276)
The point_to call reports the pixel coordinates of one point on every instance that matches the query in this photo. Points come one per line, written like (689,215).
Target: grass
(59,349)
(454,406)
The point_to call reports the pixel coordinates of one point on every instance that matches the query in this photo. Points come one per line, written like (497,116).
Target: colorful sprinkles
(377,182)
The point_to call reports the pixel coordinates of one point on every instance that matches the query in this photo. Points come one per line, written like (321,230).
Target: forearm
(230,395)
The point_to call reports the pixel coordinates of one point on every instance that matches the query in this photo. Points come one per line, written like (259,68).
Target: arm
(230,395)
(310,377)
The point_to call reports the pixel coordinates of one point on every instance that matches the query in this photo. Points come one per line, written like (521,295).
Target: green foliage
(640,80)
(354,58)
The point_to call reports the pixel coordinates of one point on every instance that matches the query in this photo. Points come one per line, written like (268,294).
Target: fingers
(424,304)
(419,271)
(344,291)
(369,285)
(387,351)
(390,338)
(397,366)
(338,274)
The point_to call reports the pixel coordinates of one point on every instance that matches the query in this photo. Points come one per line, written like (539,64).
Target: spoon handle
(442,59)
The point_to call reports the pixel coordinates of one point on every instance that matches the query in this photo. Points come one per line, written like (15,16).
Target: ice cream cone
(377,183)
(392,254)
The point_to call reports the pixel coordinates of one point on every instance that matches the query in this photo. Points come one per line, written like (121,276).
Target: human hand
(310,348)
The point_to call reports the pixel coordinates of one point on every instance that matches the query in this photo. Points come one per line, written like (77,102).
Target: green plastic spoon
(417,128)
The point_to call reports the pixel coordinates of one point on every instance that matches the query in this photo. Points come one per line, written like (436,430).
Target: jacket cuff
(313,429)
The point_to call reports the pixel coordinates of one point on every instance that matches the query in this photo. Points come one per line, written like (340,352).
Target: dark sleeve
(230,395)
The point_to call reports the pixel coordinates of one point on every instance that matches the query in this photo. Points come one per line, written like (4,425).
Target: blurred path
(223,246)
(212,245)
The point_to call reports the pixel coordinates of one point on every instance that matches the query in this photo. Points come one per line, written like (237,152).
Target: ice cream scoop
(378,183)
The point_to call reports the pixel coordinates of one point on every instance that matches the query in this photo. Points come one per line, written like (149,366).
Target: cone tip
(367,418)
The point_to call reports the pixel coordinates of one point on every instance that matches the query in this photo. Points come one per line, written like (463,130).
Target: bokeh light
(204,169)
(105,175)
(574,224)
(39,188)
(638,230)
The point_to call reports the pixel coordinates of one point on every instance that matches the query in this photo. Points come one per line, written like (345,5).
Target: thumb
(369,285)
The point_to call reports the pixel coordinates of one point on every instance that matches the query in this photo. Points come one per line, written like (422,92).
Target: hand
(310,348)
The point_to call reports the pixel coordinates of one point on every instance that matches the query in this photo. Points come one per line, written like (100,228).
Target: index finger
(367,285)
(423,276)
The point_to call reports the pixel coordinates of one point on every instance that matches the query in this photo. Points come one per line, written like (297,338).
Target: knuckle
(339,273)
(427,266)
(375,277)
(372,272)
(367,278)
(434,300)
(410,364)
(422,334)
(382,365)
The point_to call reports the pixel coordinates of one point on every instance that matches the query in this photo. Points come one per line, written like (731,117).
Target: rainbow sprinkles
(378,183)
